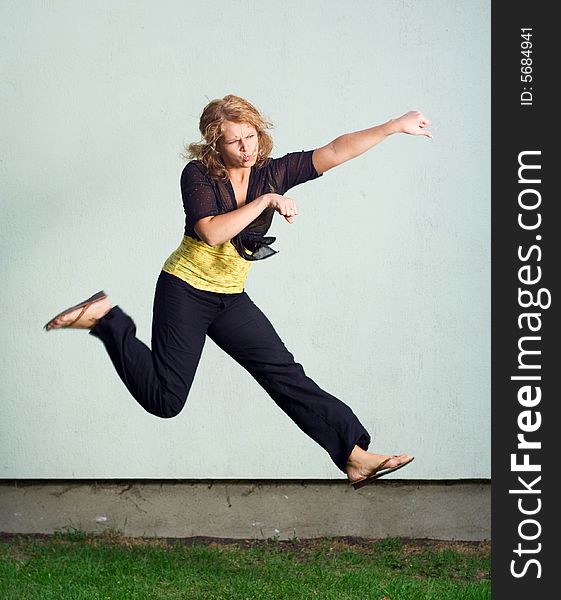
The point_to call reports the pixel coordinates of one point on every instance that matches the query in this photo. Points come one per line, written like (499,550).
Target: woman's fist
(413,123)
(284,206)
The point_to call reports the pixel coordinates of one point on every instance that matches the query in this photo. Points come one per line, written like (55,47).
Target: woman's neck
(239,176)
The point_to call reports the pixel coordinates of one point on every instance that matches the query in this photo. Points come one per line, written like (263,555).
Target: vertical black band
(525,299)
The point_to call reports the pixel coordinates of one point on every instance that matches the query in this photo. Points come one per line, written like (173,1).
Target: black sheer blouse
(204,197)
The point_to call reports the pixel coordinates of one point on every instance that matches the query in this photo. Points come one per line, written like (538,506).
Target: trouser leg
(246,334)
(160,379)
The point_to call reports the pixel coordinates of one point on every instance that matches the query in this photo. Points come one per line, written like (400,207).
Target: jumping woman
(231,189)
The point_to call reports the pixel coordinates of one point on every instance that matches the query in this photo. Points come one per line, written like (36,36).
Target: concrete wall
(381,288)
(250,509)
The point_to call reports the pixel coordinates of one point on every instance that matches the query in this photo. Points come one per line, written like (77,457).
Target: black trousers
(160,379)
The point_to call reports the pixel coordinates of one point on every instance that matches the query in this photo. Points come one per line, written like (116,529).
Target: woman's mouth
(248,157)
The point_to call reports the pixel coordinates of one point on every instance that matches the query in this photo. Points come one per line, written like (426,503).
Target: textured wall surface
(381,287)
(250,510)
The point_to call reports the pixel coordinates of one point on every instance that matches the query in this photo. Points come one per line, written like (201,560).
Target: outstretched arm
(351,145)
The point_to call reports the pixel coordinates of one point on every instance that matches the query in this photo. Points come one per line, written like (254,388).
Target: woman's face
(239,145)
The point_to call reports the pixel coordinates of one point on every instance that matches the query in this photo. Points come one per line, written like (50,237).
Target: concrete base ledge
(242,509)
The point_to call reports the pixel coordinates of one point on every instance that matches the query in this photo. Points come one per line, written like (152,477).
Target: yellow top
(213,268)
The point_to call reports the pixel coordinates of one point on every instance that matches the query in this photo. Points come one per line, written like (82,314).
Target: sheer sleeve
(199,197)
(292,169)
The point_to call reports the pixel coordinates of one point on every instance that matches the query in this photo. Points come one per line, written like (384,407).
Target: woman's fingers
(289,214)
(426,132)
(415,123)
(423,123)
(286,207)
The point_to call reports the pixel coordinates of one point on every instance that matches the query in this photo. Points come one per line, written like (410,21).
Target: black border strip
(518,128)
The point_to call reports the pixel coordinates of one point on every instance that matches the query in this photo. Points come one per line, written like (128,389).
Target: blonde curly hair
(230,108)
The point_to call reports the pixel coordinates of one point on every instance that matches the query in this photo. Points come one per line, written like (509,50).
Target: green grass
(77,566)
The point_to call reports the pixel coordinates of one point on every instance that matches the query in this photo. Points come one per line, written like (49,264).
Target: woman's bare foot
(91,315)
(362,464)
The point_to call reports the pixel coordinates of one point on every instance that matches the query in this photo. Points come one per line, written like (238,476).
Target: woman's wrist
(391,126)
(265,200)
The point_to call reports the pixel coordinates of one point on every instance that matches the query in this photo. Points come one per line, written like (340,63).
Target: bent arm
(219,229)
(350,145)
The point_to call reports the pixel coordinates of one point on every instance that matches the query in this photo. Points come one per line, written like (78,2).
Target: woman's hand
(283,205)
(413,123)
